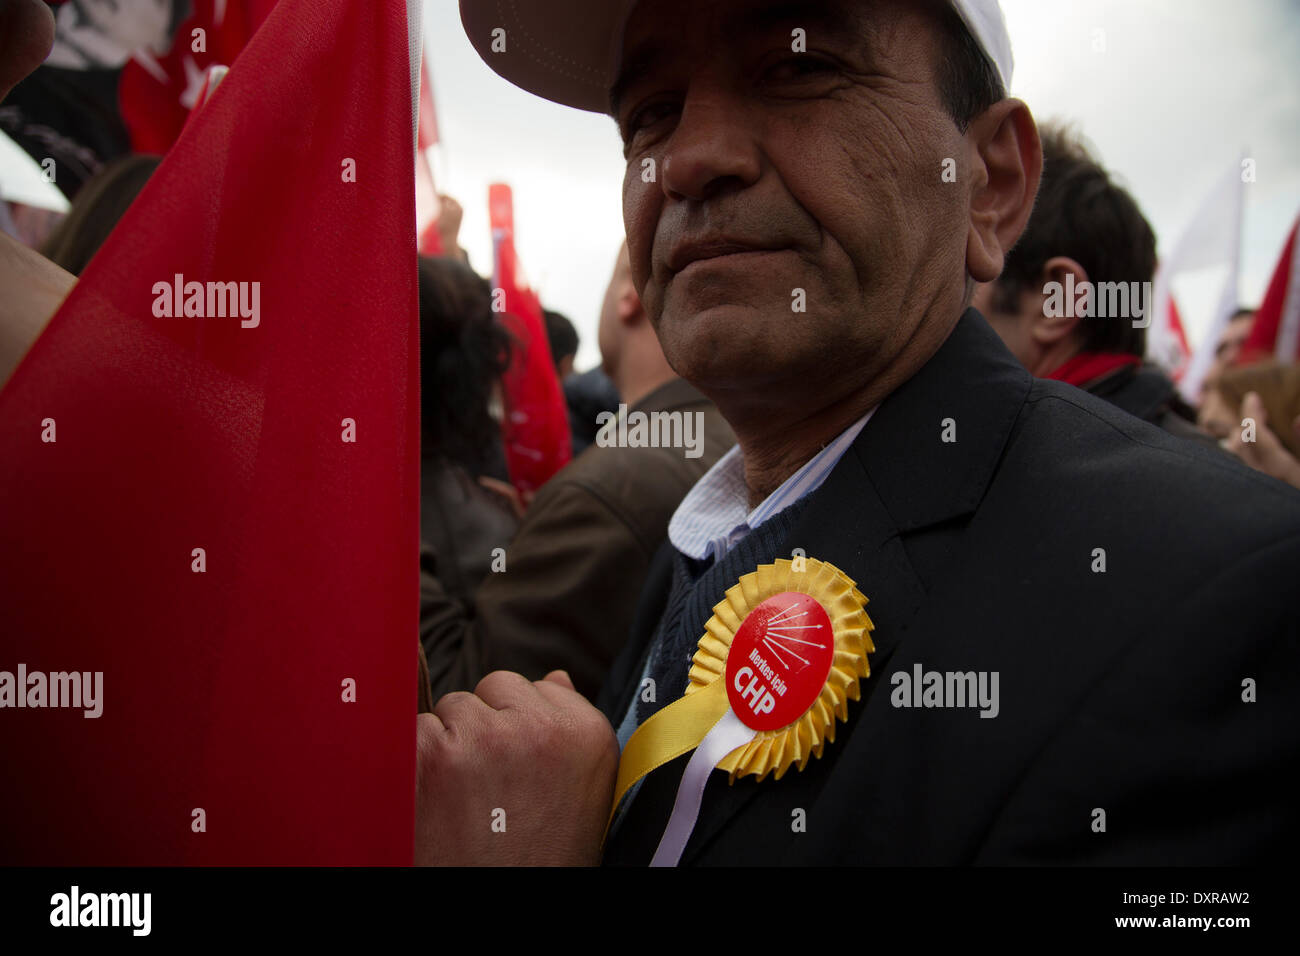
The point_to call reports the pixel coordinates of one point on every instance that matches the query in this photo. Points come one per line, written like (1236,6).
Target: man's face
(1229,348)
(1234,337)
(782,179)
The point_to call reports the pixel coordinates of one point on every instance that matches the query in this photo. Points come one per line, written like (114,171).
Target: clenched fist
(519,772)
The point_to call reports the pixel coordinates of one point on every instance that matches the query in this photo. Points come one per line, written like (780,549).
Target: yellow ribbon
(677,729)
(668,734)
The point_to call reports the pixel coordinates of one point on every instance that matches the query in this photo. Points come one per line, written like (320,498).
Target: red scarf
(1089,366)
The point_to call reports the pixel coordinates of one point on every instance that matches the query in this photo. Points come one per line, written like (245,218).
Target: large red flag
(208,469)
(1276,329)
(536,429)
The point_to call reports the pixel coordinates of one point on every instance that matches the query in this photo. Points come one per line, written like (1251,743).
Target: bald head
(629,348)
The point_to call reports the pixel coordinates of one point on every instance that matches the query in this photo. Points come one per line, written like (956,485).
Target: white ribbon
(725,736)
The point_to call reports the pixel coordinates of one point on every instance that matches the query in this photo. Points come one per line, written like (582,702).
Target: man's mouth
(712,249)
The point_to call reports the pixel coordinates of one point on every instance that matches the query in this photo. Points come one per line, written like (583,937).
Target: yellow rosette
(783,654)
(778,750)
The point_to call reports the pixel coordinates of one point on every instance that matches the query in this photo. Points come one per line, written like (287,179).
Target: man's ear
(1047,329)
(1007,163)
(629,306)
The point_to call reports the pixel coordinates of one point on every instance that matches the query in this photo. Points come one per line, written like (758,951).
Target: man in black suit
(1119,599)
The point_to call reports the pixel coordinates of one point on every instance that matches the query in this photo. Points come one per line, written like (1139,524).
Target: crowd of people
(958,448)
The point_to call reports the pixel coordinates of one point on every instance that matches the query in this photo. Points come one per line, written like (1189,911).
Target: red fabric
(1180,336)
(154,111)
(1261,343)
(430,240)
(426,208)
(426,193)
(428,124)
(1089,366)
(222,690)
(536,429)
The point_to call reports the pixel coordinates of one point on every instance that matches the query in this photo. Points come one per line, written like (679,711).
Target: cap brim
(567,50)
(569,66)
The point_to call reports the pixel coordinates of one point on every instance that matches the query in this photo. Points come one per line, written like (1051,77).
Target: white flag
(1213,238)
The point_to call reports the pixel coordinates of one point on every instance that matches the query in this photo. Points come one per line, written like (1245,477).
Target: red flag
(157,93)
(217,512)
(536,428)
(426,194)
(426,209)
(1178,334)
(1275,332)
(428,124)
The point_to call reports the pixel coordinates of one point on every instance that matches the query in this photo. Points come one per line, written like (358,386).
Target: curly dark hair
(463,354)
(1081,212)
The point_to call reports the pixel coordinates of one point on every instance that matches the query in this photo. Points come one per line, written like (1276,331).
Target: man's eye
(798,67)
(648,116)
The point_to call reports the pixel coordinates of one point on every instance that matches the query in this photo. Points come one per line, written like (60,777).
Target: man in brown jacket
(565,596)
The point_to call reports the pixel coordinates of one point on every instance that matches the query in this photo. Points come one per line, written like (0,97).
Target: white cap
(985,21)
(568,51)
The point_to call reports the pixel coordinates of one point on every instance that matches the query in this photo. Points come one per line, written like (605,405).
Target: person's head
(629,349)
(563,340)
(1234,336)
(1278,387)
(620,311)
(26,35)
(463,354)
(1085,229)
(95,211)
(817,215)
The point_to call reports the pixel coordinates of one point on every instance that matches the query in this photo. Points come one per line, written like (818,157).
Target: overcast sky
(1182,90)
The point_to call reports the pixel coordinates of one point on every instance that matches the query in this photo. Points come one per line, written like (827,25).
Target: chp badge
(781,657)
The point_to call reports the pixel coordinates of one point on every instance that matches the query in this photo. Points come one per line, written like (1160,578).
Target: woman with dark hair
(100,203)
(464,352)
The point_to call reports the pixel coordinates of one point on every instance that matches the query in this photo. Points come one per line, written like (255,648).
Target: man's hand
(449,219)
(517,773)
(1266,453)
(516,499)
(34,288)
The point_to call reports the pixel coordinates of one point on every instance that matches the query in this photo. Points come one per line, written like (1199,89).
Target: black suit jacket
(1120,691)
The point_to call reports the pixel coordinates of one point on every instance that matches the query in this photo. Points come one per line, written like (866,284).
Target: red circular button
(779,660)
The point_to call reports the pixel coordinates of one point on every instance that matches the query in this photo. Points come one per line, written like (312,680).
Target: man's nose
(712,150)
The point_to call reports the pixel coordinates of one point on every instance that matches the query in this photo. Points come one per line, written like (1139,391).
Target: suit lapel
(899,479)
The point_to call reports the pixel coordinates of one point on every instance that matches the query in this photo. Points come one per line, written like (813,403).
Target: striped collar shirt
(714,515)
